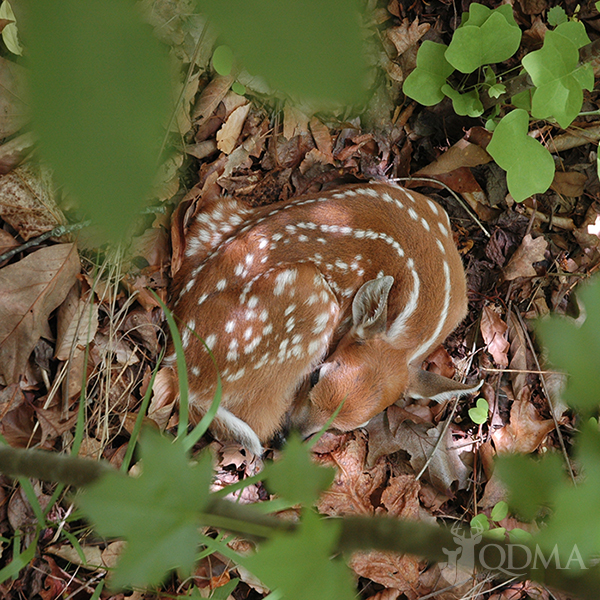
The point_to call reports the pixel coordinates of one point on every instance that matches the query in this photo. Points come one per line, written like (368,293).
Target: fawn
(368,272)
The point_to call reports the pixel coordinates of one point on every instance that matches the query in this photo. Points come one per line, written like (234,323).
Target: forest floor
(522,262)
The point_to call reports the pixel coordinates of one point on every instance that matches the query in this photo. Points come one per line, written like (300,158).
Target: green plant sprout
(487,525)
(487,37)
(479,413)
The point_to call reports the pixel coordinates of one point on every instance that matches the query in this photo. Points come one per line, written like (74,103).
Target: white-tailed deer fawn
(368,272)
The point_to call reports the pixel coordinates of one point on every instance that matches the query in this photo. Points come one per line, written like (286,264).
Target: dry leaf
(493,329)
(27,202)
(406,35)
(526,430)
(77,324)
(93,555)
(351,491)
(29,291)
(16,151)
(570,184)
(228,135)
(521,263)
(322,137)
(397,571)
(445,466)
(211,97)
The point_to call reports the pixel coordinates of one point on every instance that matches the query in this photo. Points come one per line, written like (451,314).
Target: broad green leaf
(295,476)
(222,60)
(532,484)
(308,48)
(467,104)
(100,88)
(529,166)
(157,512)
(479,414)
(522,100)
(300,564)
(576,349)
(425,83)
(519,536)
(480,521)
(556,16)
(10,34)
(574,526)
(555,71)
(487,36)
(500,511)
(238,88)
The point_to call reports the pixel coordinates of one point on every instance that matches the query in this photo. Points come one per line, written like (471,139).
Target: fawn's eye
(314,377)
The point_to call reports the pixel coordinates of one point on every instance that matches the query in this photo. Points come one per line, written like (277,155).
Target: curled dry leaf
(228,135)
(16,151)
(322,137)
(521,263)
(27,202)
(29,291)
(406,35)
(353,485)
(526,430)
(77,324)
(211,97)
(493,330)
(400,572)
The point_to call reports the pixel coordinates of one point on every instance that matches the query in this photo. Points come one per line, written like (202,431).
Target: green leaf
(467,104)
(300,566)
(496,90)
(519,536)
(238,88)
(480,521)
(100,88)
(522,100)
(500,511)
(157,512)
(576,349)
(312,48)
(575,524)
(10,34)
(479,414)
(486,37)
(497,533)
(555,71)
(529,166)
(556,16)
(222,60)
(425,83)
(295,476)
(532,484)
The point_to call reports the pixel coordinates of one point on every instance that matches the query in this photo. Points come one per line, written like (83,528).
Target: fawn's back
(354,286)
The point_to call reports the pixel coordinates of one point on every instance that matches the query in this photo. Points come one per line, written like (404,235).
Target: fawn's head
(365,372)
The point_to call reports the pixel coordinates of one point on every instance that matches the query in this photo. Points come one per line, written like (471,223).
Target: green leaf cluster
(555,71)
(488,36)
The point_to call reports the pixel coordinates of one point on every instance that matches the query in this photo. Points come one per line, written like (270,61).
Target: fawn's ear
(425,384)
(369,307)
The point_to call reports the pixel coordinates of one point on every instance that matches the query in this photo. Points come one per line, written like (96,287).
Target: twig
(456,196)
(56,232)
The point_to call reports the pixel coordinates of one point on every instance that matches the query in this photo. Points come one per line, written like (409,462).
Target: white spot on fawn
(264,315)
(210,340)
(320,323)
(221,285)
(284,278)
(443,228)
(267,329)
(229,326)
(248,333)
(252,301)
(290,309)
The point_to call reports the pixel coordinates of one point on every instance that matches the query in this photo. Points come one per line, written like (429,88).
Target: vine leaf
(555,71)
(425,83)
(529,166)
(485,37)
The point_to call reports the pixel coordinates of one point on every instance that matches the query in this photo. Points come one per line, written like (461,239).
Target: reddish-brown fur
(274,290)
